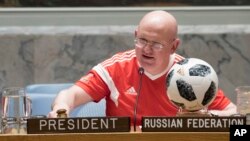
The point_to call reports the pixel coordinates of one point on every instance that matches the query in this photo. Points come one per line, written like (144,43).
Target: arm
(69,99)
(229,110)
(222,105)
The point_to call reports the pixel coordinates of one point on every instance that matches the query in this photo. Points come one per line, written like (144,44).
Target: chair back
(42,96)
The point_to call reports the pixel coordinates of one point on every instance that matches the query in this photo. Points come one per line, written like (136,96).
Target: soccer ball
(191,84)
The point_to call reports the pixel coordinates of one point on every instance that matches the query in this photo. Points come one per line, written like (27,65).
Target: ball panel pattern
(169,76)
(199,70)
(183,62)
(210,94)
(185,90)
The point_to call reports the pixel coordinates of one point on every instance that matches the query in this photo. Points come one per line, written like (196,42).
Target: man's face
(151,58)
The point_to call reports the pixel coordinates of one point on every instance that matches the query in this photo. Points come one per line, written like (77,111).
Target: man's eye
(157,45)
(143,41)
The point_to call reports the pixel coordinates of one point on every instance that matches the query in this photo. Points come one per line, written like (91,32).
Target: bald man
(133,82)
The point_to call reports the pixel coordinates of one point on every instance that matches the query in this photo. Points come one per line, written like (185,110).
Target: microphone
(141,72)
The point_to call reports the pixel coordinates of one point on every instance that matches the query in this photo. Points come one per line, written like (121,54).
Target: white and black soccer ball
(192,84)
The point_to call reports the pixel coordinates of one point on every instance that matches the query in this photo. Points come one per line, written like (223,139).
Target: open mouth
(147,57)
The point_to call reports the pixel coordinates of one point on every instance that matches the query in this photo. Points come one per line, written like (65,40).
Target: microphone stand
(140,71)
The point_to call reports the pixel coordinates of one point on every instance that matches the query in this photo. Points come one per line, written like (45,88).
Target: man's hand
(55,107)
(52,114)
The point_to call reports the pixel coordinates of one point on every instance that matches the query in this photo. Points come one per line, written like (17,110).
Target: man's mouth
(147,57)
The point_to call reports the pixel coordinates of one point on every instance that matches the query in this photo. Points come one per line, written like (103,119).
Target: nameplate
(78,125)
(190,124)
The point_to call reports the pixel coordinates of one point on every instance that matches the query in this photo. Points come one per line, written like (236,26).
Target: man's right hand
(52,114)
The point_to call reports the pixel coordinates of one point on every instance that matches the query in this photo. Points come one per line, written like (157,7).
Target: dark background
(113,3)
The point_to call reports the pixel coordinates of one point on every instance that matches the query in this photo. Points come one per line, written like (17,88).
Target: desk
(149,136)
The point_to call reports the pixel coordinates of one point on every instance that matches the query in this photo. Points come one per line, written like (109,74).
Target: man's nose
(148,46)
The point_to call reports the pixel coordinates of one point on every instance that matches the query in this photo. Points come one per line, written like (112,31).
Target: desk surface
(128,136)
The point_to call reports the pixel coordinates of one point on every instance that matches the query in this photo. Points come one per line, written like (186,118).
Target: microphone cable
(140,71)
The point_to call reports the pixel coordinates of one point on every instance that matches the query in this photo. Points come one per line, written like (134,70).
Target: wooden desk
(149,136)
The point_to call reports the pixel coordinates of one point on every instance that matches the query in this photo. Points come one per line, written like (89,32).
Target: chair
(42,96)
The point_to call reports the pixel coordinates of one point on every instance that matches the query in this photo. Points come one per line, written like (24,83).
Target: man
(133,82)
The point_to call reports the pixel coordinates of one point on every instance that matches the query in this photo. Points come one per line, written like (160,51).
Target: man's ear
(175,45)
(136,31)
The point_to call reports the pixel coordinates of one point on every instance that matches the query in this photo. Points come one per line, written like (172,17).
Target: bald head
(161,21)
(156,27)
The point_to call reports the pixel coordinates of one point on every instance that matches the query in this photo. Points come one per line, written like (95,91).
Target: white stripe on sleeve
(109,81)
